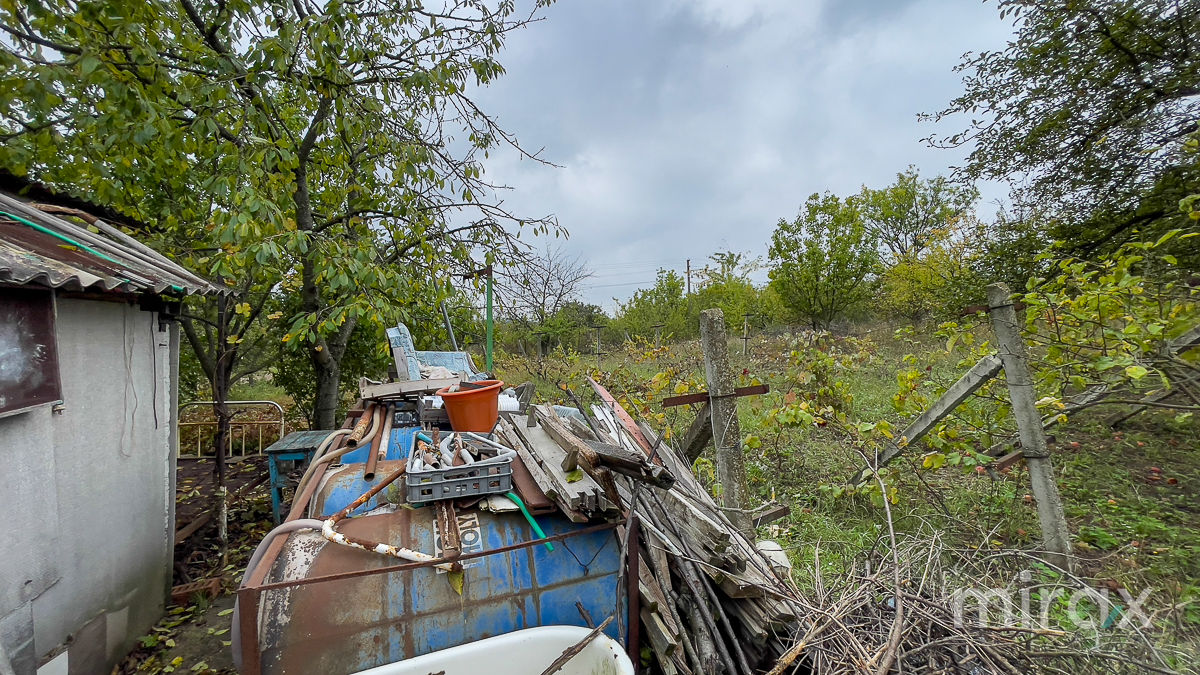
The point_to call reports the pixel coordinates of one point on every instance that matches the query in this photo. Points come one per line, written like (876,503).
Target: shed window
(28,350)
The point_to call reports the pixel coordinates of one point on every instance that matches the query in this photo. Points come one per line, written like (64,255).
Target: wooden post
(727,433)
(1011,347)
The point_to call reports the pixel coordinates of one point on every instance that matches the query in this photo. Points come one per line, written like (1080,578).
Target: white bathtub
(523,652)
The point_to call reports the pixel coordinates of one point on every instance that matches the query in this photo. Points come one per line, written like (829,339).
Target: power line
(627,283)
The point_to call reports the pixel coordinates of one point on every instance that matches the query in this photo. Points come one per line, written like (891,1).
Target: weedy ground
(1130,493)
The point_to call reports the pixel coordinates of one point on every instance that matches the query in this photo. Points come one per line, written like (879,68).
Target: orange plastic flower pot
(473,409)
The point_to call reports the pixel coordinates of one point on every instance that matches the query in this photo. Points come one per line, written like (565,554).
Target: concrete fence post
(727,433)
(1056,540)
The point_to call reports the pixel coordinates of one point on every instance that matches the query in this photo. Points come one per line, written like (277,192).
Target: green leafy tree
(333,145)
(824,263)
(725,284)
(663,304)
(939,281)
(1090,105)
(908,215)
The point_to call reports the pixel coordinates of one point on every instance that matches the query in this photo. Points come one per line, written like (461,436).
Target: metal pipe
(360,429)
(199,451)
(403,567)
(449,326)
(380,446)
(319,457)
(329,530)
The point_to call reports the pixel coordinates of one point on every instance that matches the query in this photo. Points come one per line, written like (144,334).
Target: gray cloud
(689,126)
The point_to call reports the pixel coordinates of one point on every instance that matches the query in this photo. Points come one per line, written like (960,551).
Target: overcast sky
(684,127)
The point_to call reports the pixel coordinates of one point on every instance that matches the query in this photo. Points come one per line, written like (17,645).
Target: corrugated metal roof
(43,249)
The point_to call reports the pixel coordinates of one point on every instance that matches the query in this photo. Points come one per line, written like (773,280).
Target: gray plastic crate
(483,478)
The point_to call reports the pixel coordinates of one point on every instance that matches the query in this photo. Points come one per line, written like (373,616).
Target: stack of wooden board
(710,601)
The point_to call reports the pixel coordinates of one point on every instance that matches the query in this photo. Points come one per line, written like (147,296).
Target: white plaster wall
(88,492)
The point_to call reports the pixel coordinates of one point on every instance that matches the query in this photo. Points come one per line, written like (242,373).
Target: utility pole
(689,276)
(1056,539)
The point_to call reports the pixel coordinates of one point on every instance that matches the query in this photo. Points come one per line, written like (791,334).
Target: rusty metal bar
(248,620)
(430,563)
(632,599)
(703,396)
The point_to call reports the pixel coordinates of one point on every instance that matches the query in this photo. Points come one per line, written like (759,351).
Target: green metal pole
(490,327)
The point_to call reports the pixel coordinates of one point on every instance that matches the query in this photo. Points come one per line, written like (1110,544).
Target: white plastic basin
(519,653)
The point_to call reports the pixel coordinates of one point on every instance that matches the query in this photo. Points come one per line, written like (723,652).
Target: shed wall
(88,493)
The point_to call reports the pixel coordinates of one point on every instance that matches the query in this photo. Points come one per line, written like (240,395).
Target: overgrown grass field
(1129,493)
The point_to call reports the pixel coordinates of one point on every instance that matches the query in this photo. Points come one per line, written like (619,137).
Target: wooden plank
(370,390)
(772,514)
(534,497)
(622,417)
(662,641)
(544,483)
(580,494)
(703,397)
(681,469)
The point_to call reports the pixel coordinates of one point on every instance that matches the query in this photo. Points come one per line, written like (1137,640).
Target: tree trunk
(222,369)
(325,403)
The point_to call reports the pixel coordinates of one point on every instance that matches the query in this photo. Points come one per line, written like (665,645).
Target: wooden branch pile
(898,612)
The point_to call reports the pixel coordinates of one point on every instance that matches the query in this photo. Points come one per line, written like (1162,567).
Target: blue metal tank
(350,624)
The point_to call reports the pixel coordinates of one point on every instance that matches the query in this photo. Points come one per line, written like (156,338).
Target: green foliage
(1109,321)
(824,263)
(662,304)
(726,285)
(938,280)
(309,143)
(1091,104)
(367,354)
(911,214)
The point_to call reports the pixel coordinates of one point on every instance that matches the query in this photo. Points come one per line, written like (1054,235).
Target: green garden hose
(537,529)
(52,233)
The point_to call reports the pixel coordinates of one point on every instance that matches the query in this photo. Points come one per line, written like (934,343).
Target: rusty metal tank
(343,625)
